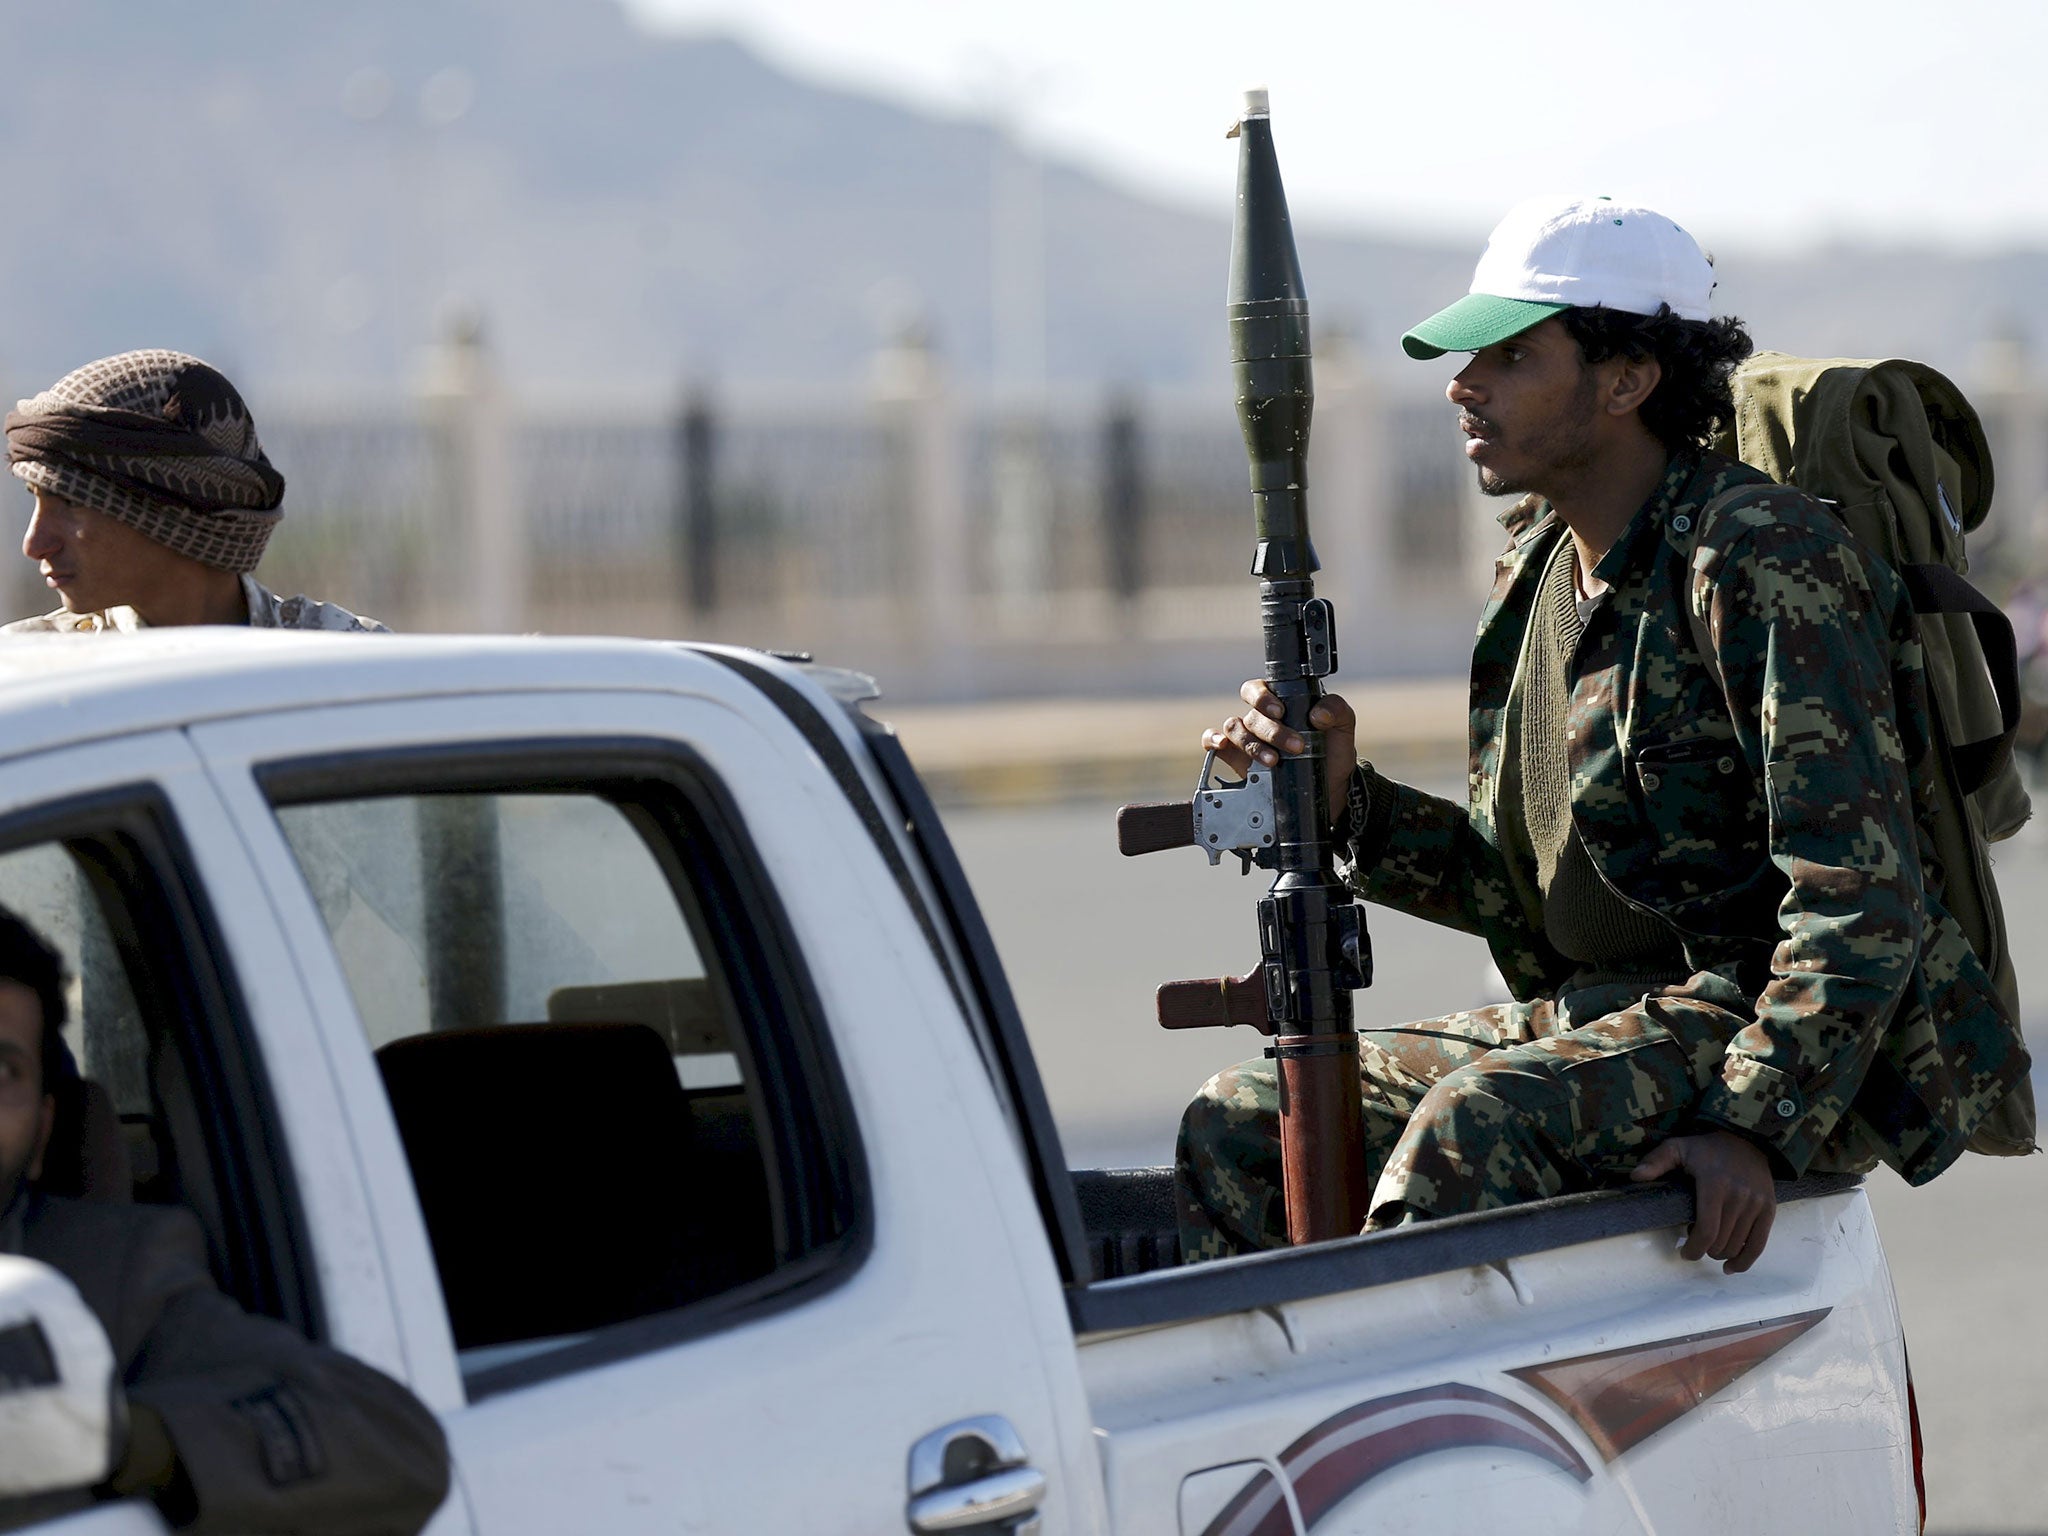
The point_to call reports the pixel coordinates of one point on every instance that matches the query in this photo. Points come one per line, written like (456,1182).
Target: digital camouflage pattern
(1481,1109)
(1774,826)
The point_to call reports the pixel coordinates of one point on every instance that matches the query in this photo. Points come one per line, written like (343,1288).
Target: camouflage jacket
(1771,823)
(266,611)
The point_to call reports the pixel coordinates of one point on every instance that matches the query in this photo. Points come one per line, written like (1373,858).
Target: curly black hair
(1696,356)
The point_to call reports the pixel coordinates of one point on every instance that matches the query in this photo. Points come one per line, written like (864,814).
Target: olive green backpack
(1901,457)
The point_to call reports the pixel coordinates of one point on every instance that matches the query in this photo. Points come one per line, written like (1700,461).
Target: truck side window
(564,1033)
(46,887)
(162,1109)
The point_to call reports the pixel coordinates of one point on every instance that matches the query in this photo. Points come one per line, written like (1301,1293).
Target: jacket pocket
(1703,807)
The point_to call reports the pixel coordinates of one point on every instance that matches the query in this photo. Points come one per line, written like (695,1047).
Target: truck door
(688,1168)
(119,856)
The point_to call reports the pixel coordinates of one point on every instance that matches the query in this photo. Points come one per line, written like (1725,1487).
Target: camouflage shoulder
(302,612)
(1747,511)
(1732,497)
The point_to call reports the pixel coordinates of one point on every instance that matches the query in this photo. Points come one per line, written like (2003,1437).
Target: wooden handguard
(1322,1138)
(1150,828)
(1220,1000)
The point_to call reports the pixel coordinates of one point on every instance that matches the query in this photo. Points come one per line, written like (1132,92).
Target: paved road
(1086,935)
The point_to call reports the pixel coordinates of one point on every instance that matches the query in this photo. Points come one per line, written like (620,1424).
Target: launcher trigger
(1234,818)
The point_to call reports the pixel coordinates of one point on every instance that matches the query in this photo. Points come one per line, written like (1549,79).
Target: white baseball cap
(1546,256)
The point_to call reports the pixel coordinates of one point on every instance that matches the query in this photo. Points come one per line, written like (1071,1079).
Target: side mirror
(57,1386)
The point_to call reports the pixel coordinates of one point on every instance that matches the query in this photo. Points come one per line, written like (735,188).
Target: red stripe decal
(1620,1397)
(1259,1509)
(1347,1450)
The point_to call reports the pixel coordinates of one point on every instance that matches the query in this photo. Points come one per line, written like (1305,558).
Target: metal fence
(955,546)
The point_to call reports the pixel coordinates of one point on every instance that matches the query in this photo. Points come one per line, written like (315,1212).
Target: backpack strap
(1933,589)
(1938,589)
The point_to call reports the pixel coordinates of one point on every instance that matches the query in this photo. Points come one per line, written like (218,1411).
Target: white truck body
(1557,1368)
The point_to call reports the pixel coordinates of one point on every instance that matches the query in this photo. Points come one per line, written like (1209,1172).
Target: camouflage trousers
(1480,1109)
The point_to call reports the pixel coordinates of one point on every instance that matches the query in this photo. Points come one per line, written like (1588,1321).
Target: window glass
(45,887)
(135,1124)
(562,1051)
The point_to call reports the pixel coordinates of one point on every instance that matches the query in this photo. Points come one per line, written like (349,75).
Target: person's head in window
(31,1050)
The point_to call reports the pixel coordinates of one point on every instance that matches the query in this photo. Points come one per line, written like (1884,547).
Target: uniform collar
(1532,515)
(1526,518)
(263,603)
(1672,492)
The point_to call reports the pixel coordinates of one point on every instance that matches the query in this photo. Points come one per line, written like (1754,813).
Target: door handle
(973,1478)
(987,1501)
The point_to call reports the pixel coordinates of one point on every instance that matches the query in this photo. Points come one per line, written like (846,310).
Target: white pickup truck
(601,1038)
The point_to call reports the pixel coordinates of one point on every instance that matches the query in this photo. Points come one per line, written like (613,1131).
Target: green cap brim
(1477,320)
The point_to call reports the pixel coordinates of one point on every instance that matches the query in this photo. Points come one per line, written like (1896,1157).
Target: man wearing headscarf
(153,501)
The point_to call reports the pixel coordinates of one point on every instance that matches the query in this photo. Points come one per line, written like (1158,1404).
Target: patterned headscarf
(159,441)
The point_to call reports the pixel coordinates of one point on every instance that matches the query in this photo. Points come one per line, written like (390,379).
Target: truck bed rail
(1139,1282)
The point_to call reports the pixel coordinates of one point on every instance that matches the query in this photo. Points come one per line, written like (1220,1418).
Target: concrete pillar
(1020,495)
(1351,489)
(484,570)
(914,401)
(1020,489)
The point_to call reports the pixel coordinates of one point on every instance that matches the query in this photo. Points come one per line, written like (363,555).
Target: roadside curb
(1039,751)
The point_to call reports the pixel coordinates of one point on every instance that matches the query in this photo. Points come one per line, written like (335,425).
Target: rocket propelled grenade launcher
(1311,933)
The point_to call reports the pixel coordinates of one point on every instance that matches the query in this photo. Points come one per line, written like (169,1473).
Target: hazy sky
(1776,125)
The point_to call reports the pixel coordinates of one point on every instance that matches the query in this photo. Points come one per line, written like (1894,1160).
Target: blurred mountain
(302,193)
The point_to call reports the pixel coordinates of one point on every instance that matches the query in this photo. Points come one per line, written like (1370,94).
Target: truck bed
(1128,1217)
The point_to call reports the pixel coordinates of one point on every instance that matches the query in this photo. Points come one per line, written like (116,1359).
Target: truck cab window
(576,1087)
(111,1137)
(47,888)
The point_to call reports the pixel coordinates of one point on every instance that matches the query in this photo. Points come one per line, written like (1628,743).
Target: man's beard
(1560,448)
(1491,484)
